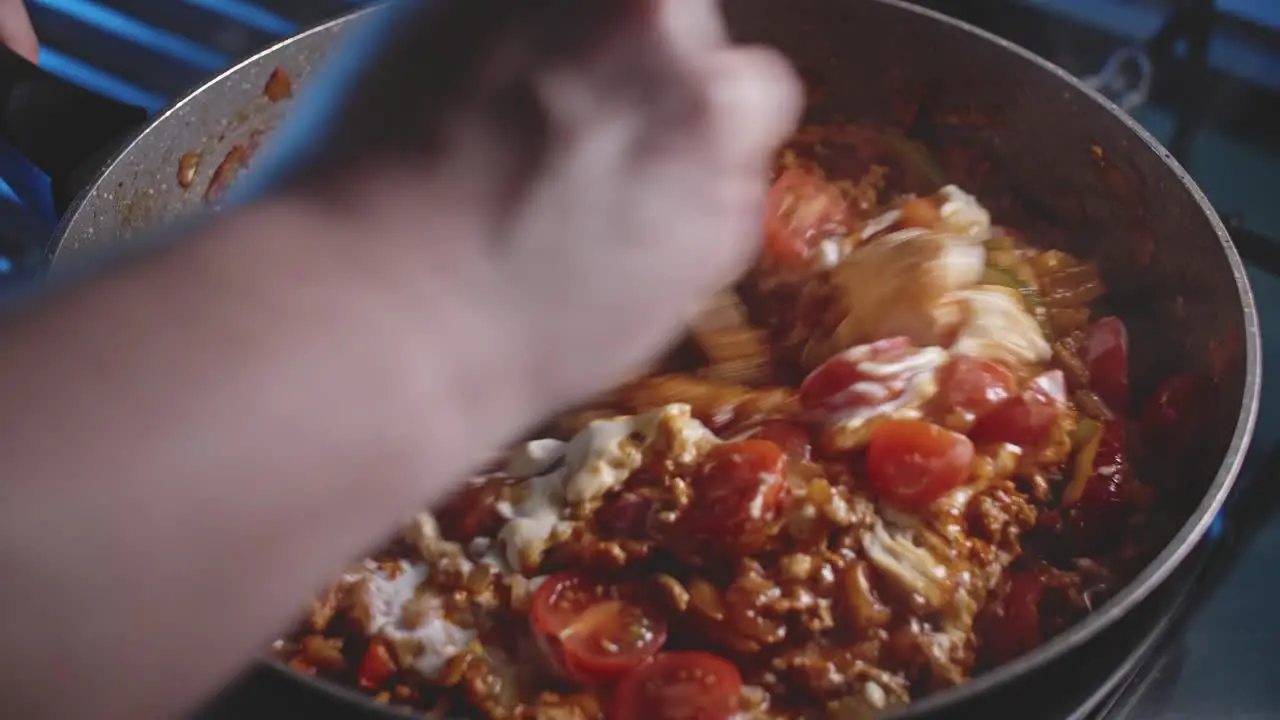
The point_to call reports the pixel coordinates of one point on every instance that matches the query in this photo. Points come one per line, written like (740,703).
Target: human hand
(16,32)
(589,172)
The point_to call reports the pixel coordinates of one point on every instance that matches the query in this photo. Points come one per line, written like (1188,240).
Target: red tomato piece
(865,376)
(1106,353)
(679,686)
(1110,465)
(737,493)
(1015,630)
(594,633)
(802,210)
(1028,419)
(624,517)
(376,668)
(1103,509)
(1171,413)
(793,438)
(974,386)
(912,463)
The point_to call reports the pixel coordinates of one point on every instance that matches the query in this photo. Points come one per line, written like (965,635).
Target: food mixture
(892,456)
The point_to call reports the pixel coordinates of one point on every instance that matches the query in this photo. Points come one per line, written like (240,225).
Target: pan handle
(58,126)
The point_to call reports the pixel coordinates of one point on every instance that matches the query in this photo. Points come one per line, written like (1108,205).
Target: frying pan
(1072,157)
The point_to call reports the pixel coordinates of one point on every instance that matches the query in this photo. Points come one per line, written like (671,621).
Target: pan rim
(54,246)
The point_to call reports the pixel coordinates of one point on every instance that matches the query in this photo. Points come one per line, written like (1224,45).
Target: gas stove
(1166,659)
(1203,76)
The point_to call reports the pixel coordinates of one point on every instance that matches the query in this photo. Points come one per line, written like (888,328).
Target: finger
(690,27)
(631,74)
(754,100)
(433,57)
(571,30)
(15,30)
(652,63)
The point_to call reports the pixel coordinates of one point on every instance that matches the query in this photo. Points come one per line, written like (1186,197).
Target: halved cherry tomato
(593,632)
(802,210)
(376,668)
(1028,419)
(679,686)
(737,492)
(1015,630)
(864,376)
(1170,414)
(912,463)
(974,386)
(1106,353)
(793,438)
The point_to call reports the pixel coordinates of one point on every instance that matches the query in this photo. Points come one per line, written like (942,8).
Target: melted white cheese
(380,603)
(830,252)
(956,501)
(850,428)
(875,695)
(923,360)
(534,458)
(690,438)
(879,224)
(597,460)
(895,281)
(962,264)
(898,282)
(962,213)
(997,325)
(535,521)
(605,453)
(893,552)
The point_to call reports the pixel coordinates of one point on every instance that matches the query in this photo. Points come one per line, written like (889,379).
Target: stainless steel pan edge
(228,109)
(137,190)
